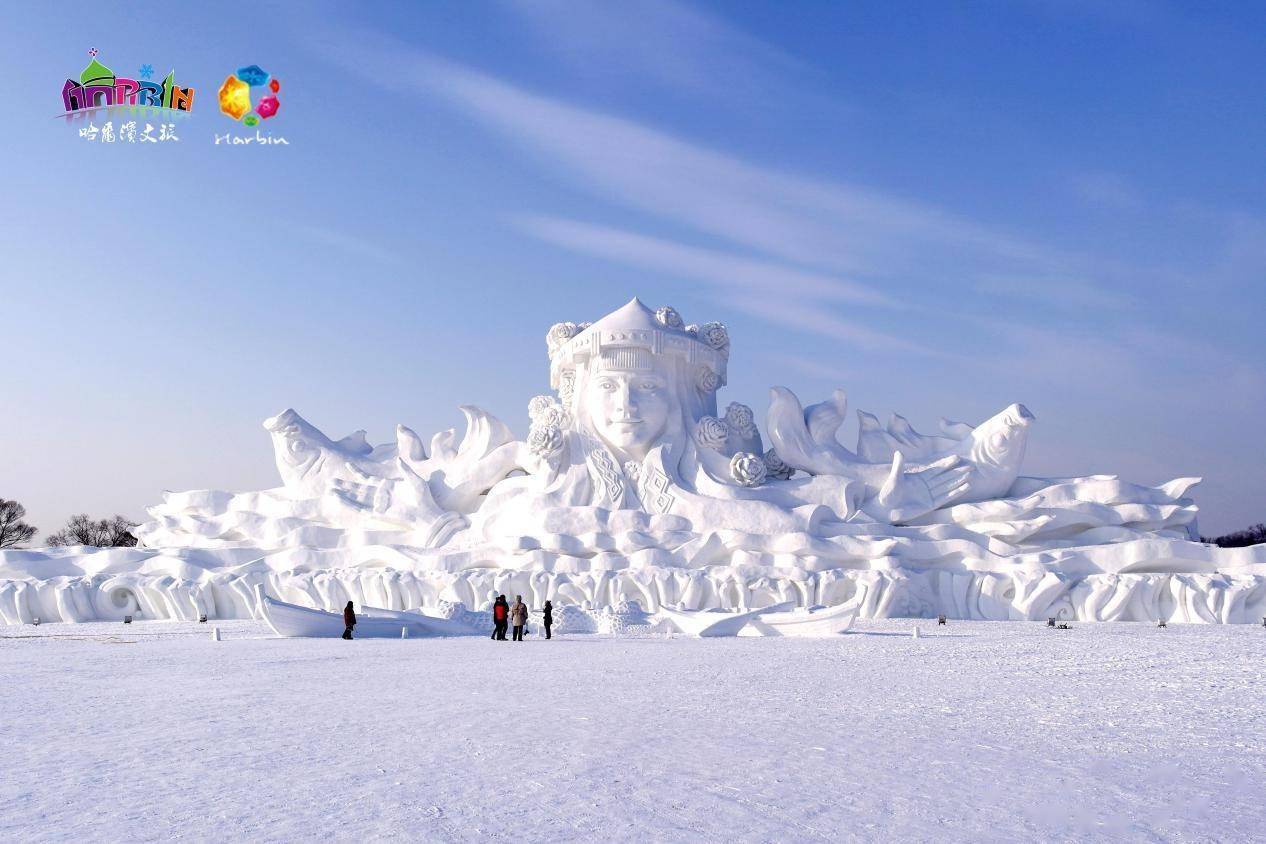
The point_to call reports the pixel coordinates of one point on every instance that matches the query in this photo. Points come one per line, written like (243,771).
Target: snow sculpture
(630,487)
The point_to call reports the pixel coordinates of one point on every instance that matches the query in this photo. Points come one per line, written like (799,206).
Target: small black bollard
(127,619)
(940,620)
(202,619)
(1160,623)
(1050,622)
(36,621)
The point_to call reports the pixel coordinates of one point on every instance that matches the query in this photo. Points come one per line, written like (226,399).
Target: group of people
(503,615)
(516,615)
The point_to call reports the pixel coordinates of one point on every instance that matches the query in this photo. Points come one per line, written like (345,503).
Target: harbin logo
(237,95)
(99,88)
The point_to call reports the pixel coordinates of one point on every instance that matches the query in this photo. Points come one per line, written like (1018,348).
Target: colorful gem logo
(236,95)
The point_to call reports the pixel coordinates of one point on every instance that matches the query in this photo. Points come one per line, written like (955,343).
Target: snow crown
(628,338)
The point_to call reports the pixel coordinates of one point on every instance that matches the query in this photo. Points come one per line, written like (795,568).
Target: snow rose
(711,433)
(544,440)
(633,471)
(538,405)
(775,468)
(747,469)
(708,380)
(567,386)
(546,411)
(692,329)
(740,419)
(715,335)
(555,416)
(559,333)
(669,317)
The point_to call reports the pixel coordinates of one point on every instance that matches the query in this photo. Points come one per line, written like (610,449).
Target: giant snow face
(629,409)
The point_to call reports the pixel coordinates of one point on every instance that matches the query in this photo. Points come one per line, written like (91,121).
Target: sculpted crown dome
(662,332)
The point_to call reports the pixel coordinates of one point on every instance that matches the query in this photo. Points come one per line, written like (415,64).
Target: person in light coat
(518,617)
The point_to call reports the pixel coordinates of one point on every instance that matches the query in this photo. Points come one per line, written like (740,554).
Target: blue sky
(940,207)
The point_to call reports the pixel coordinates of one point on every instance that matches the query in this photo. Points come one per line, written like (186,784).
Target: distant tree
(1241,538)
(13,531)
(103,533)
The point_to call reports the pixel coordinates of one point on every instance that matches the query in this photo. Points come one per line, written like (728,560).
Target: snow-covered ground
(976,731)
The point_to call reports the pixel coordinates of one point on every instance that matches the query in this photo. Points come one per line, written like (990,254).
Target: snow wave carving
(175,587)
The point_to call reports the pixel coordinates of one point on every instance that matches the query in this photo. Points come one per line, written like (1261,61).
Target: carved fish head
(299,448)
(1000,441)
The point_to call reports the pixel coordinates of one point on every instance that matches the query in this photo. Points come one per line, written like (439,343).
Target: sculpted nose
(625,406)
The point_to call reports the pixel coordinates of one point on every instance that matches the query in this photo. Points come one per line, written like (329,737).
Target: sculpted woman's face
(629,409)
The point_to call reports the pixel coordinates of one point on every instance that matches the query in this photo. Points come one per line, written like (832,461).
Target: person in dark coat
(549,617)
(349,619)
(500,618)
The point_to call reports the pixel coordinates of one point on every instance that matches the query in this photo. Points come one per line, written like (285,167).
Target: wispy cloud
(800,315)
(814,368)
(1057,291)
(768,290)
(799,244)
(679,46)
(725,269)
(1058,355)
(1131,13)
(1129,361)
(347,242)
(1106,190)
(843,228)
(1244,253)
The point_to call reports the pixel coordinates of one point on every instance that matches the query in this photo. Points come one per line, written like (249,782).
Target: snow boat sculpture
(292,621)
(632,487)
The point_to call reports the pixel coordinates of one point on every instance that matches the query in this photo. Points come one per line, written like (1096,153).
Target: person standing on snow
(549,617)
(349,619)
(500,614)
(518,617)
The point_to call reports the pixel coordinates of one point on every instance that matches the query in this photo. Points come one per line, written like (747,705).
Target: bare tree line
(114,532)
(1240,538)
(13,531)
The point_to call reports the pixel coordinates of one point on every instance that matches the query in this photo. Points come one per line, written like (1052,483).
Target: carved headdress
(629,336)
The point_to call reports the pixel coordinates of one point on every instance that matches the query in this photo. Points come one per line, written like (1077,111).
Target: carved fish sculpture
(805,440)
(967,464)
(309,461)
(397,478)
(995,448)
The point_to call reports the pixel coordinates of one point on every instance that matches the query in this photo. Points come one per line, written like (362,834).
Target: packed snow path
(994,731)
